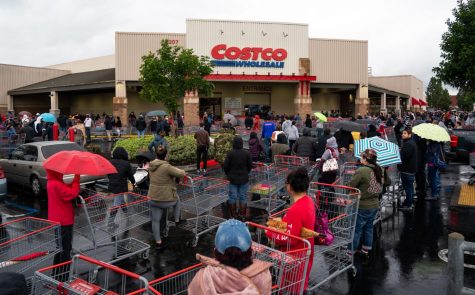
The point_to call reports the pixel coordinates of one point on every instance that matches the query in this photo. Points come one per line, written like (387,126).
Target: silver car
(25,166)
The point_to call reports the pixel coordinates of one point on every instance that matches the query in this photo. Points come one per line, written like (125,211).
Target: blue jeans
(434,180)
(407,181)
(267,147)
(140,133)
(364,228)
(238,192)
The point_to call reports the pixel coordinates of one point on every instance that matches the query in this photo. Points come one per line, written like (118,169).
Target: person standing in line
(319,128)
(408,167)
(434,156)
(237,166)
(256,124)
(331,151)
(368,178)
(308,121)
(162,192)
(421,174)
(306,146)
(118,125)
(88,126)
(63,125)
(322,143)
(180,124)
(248,122)
(108,126)
(28,131)
(60,209)
(286,125)
(202,145)
(280,147)
(141,125)
(206,123)
(154,125)
(267,129)
(293,134)
(255,147)
(118,181)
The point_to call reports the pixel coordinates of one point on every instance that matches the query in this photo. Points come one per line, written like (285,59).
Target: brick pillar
(361,101)
(303,100)
(54,106)
(383,103)
(119,108)
(191,109)
(398,105)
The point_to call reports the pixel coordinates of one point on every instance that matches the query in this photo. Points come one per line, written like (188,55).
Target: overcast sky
(403,35)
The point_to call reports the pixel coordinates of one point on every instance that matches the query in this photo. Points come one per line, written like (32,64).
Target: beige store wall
(96,103)
(325,102)
(139,105)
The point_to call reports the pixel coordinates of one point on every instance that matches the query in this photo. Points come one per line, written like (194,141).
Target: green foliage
(465,100)
(437,96)
(134,145)
(457,67)
(172,71)
(222,145)
(181,150)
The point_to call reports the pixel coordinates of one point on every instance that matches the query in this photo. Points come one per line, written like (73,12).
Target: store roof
(79,81)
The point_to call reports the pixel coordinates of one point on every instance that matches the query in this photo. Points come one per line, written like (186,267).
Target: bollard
(457,246)
(455,264)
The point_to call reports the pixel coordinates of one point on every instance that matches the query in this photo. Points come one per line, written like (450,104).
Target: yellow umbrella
(431,131)
(321,116)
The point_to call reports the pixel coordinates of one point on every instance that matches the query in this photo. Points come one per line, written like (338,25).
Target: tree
(457,67)
(437,96)
(167,75)
(465,100)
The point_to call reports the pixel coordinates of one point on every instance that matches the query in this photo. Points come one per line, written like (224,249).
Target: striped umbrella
(387,152)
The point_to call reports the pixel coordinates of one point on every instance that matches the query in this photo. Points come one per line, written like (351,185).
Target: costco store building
(258,66)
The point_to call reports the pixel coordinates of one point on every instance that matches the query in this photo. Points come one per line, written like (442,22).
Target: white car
(25,166)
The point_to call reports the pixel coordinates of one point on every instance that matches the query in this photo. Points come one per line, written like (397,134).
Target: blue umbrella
(47,117)
(387,152)
(156,113)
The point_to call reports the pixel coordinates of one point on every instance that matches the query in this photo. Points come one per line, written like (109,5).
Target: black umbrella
(366,122)
(350,126)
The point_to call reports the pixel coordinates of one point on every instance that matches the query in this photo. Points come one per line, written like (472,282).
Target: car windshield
(49,150)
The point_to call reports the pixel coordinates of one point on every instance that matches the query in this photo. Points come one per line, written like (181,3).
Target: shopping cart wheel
(145,255)
(194,242)
(353,271)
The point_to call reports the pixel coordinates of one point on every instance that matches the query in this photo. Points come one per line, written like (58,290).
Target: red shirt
(300,214)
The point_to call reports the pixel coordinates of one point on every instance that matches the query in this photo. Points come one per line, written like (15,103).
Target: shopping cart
(28,243)
(267,181)
(198,196)
(347,170)
(288,269)
(103,218)
(84,275)
(391,197)
(341,204)
(294,162)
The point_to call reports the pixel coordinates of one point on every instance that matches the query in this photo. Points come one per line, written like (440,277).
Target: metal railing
(457,247)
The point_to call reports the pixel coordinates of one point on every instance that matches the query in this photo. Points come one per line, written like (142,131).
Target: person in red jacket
(60,209)
(300,214)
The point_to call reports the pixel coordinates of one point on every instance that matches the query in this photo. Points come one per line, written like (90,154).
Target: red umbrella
(78,162)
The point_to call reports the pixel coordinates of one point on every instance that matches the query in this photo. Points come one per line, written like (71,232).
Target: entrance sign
(232,102)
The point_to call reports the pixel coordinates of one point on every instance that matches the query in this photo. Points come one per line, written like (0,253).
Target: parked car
(3,182)
(462,143)
(25,164)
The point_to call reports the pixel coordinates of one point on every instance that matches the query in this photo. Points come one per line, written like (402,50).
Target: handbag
(326,237)
(330,165)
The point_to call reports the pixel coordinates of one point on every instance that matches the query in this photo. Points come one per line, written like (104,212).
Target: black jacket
(306,146)
(344,139)
(141,125)
(108,123)
(29,133)
(118,181)
(238,163)
(408,157)
(322,143)
(248,122)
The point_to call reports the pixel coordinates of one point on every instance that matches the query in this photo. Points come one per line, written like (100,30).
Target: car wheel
(35,186)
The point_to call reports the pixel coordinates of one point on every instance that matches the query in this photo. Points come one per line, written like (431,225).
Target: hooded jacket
(322,144)
(306,146)
(60,195)
(162,181)
(331,149)
(364,179)
(238,163)
(255,147)
(118,181)
(217,278)
(408,157)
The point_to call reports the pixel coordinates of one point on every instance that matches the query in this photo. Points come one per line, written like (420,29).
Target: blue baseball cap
(232,233)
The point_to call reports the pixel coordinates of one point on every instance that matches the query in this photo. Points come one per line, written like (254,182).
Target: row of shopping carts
(85,275)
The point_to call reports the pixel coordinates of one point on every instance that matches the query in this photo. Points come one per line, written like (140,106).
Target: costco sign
(224,56)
